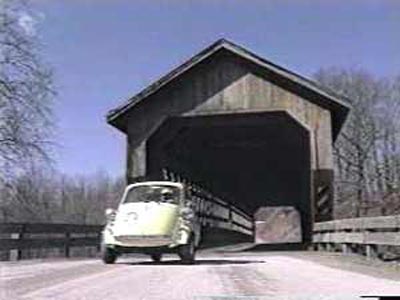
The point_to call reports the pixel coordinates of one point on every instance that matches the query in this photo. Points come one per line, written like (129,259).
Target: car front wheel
(109,255)
(187,252)
(156,257)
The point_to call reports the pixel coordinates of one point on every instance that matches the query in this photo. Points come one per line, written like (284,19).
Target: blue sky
(103,52)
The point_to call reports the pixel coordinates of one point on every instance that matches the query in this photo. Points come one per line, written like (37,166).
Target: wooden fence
(363,235)
(15,237)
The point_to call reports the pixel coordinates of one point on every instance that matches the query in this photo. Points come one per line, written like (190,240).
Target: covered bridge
(244,128)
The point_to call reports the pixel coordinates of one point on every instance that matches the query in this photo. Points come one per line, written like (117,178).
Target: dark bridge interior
(253,160)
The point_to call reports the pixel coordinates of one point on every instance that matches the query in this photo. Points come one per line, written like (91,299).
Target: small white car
(153,218)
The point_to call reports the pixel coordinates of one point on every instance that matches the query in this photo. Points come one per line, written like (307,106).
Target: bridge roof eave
(337,104)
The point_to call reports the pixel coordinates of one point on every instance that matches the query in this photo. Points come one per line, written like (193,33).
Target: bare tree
(25,92)
(44,195)
(367,152)
(31,197)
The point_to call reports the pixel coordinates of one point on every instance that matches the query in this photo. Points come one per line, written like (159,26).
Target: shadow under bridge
(246,161)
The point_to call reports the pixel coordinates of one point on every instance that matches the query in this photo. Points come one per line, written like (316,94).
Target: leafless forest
(367,153)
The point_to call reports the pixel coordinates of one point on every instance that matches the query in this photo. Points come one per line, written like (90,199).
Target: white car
(153,218)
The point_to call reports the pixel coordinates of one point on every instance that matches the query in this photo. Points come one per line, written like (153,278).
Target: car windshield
(153,193)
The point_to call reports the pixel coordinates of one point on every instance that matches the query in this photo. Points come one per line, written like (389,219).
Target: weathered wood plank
(49,228)
(384,222)
(348,224)
(61,228)
(324,226)
(366,231)
(382,238)
(81,242)
(9,244)
(11,228)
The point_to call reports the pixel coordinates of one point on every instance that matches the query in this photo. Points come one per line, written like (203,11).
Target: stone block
(278,224)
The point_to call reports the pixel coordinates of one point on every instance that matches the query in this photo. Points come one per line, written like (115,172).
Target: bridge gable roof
(309,89)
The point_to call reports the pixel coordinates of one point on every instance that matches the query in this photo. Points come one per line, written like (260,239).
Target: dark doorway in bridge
(253,160)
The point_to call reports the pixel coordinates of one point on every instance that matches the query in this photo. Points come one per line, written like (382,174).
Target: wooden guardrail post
(67,244)
(230,216)
(99,236)
(16,253)
(21,238)
(371,251)
(13,254)
(345,248)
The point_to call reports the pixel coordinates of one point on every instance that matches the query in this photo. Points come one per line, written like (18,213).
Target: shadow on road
(206,262)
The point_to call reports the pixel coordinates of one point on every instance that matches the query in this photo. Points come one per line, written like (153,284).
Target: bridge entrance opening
(254,160)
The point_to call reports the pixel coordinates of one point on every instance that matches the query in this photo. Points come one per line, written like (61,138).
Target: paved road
(253,276)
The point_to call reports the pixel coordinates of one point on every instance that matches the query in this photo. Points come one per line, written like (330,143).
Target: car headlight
(187,214)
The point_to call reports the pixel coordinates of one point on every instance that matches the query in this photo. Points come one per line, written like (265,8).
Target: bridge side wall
(225,84)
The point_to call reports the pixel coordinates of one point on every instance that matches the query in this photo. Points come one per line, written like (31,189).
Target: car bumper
(145,250)
(143,241)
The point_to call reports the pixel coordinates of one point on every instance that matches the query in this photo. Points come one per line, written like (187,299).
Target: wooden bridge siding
(252,92)
(227,85)
(135,159)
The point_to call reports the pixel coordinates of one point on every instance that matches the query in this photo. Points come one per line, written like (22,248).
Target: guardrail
(363,235)
(213,210)
(16,237)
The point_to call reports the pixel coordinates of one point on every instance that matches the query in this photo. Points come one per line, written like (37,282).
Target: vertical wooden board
(308,108)
(216,82)
(287,101)
(210,83)
(230,97)
(313,160)
(254,91)
(136,161)
(325,141)
(246,91)
(302,108)
(275,97)
(294,103)
(235,93)
(232,92)
(266,90)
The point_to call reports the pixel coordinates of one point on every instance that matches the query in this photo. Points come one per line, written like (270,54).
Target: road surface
(272,275)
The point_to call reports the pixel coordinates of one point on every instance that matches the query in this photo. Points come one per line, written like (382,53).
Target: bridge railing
(214,211)
(363,235)
(217,212)
(16,237)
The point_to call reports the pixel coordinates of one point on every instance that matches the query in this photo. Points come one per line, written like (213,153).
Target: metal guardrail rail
(367,233)
(17,236)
